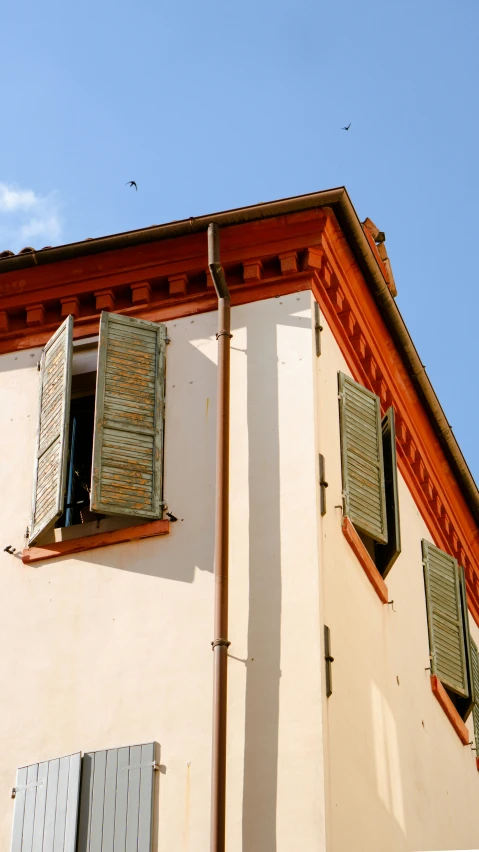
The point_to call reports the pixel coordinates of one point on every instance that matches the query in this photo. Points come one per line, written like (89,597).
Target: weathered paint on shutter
(445,619)
(464,705)
(116,805)
(475,682)
(386,554)
(362,458)
(46,806)
(128,440)
(52,441)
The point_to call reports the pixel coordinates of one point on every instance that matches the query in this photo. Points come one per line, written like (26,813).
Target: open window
(101,422)
(369,472)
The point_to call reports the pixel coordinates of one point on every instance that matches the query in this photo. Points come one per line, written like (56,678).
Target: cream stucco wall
(397,776)
(112,647)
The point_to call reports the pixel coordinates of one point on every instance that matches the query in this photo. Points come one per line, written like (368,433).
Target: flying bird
(132,183)
(346,128)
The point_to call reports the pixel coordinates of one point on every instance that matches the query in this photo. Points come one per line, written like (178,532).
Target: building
(351,680)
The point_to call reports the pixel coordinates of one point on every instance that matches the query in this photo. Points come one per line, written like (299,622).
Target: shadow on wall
(265,585)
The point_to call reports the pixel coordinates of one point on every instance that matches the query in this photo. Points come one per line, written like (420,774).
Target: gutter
(338,199)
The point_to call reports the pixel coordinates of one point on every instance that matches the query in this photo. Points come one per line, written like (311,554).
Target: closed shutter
(386,554)
(128,438)
(46,806)
(362,458)
(475,682)
(52,441)
(445,619)
(116,805)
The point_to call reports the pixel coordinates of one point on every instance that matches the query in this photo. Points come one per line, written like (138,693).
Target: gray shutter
(116,805)
(52,441)
(362,458)
(475,682)
(445,619)
(128,440)
(386,554)
(46,806)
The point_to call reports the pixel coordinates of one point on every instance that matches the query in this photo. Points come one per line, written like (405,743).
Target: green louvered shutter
(386,554)
(128,439)
(475,682)
(116,804)
(362,458)
(45,815)
(52,441)
(445,619)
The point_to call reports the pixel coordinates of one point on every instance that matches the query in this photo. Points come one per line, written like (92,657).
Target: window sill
(365,560)
(90,542)
(457,723)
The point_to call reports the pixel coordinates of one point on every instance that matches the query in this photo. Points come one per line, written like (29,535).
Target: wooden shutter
(116,805)
(475,683)
(386,554)
(52,442)
(445,619)
(46,806)
(128,438)
(362,458)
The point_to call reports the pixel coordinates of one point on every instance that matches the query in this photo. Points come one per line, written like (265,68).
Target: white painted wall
(397,776)
(112,647)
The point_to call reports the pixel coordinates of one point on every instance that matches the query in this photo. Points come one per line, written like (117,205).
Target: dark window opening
(82,418)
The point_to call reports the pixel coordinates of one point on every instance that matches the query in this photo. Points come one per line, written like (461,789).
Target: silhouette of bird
(132,183)
(346,128)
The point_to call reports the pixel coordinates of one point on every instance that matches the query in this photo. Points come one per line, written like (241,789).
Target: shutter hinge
(153,765)
(317,329)
(328,660)
(21,789)
(322,485)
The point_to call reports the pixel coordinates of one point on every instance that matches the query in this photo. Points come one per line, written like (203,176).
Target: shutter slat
(40,805)
(145,820)
(445,619)
(362,458)
(99,774)
(73,795)
(475,680)
(128,438)
(53,422)
(110,801)
(46,806)
(19,810)
(133,800)
(121,799)
(29,815)
(61,808)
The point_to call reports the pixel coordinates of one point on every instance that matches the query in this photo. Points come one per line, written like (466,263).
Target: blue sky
(214,105)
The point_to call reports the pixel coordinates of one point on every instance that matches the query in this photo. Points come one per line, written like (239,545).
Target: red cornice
(271,257)
(158,280)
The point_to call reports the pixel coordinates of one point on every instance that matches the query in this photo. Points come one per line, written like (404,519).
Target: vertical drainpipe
(220,643)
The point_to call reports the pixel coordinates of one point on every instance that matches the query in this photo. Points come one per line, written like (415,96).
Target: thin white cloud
(26,216)
(16,199)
